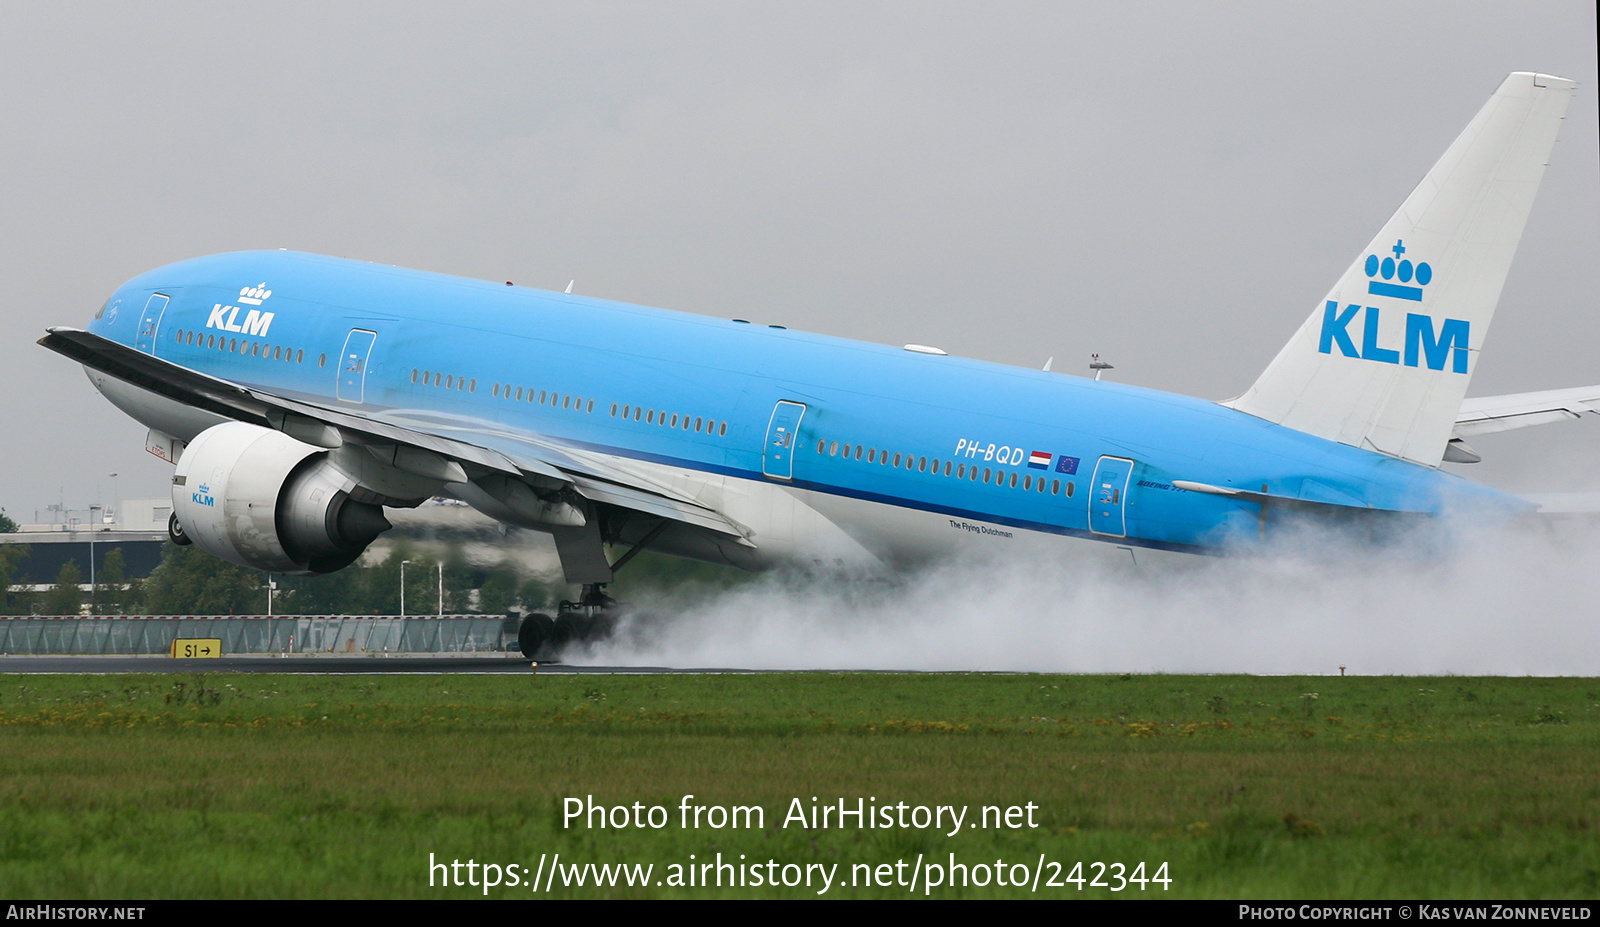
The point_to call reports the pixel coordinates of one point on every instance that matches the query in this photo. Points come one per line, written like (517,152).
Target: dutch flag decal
(1039,460)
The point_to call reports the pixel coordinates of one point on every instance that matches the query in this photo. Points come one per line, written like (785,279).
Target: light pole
(441,590)
(403,587)
(116,498)
(94,588)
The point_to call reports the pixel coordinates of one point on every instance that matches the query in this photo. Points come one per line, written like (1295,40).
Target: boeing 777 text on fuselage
(299,395)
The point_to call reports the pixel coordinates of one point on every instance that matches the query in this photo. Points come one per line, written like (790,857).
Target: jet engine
(261,499)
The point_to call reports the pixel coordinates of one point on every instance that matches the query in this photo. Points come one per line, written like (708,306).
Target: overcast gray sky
(1173,185)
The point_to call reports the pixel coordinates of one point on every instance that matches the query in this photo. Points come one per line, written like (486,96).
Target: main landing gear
(592,618)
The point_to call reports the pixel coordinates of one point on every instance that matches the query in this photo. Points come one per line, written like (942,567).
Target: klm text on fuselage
(1422,341)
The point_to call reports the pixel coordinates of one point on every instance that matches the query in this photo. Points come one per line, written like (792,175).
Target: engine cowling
(261,499)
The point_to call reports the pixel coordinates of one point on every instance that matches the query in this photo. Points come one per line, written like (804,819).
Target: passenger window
(450,381)
(495,393)
(947,468)
(625,411)
(822,445)
(300,355)
(233,346)
(472,385)
(722,429)
(589,409)
(613,410)
(322,360)
(961,472)
(637,412)
(1013,481)
(1027,482)
(897,460)
(413,374)
(1069,489)
(1055,487)
(833,449)
(986,474)
(858,452)
(922,464)
(697,421)
(650,417)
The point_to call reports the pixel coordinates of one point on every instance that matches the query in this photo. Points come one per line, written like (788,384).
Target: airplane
(298,395)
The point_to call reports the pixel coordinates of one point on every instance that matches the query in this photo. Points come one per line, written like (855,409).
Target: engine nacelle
(261,499)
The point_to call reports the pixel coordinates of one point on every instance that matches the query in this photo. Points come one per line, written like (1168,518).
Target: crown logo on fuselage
(256,321)
(1399,267)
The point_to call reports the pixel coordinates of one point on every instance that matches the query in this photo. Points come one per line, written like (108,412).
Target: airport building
(137,526)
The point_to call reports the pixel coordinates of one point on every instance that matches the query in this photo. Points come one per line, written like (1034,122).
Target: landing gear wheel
(601,627)
(535,633)
(175,531)
(568,627)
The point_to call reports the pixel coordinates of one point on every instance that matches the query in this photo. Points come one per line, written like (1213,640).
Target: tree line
(190,581)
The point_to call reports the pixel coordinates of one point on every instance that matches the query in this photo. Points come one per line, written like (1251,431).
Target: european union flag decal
(1067,465)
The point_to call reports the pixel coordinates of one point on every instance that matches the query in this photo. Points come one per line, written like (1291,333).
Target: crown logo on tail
(1398,267)
(255,295)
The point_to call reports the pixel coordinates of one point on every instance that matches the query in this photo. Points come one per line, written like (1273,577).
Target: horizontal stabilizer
(1488,414)
(1297,502)
(1566,503)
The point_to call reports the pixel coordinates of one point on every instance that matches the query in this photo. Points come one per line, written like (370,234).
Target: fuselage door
(145,339)
(353,365)
(1108,497)
(782,434)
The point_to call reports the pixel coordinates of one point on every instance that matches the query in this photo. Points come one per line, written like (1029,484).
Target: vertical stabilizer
(1384,361)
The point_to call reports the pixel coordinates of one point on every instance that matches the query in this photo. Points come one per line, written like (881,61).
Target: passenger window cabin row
(262,349)
(555,399)
(949,468)
(698,424)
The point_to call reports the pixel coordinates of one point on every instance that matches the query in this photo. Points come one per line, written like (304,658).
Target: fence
(260,634)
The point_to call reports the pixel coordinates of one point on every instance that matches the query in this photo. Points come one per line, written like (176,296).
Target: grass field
(244,786)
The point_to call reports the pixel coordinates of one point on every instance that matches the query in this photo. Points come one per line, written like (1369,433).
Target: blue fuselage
(975,441)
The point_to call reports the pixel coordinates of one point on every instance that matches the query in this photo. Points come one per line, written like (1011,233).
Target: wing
(525,478)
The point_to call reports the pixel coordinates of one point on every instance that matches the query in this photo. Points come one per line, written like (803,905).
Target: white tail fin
(1383,362)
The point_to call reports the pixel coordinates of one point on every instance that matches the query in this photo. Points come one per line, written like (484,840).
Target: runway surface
(329,666)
